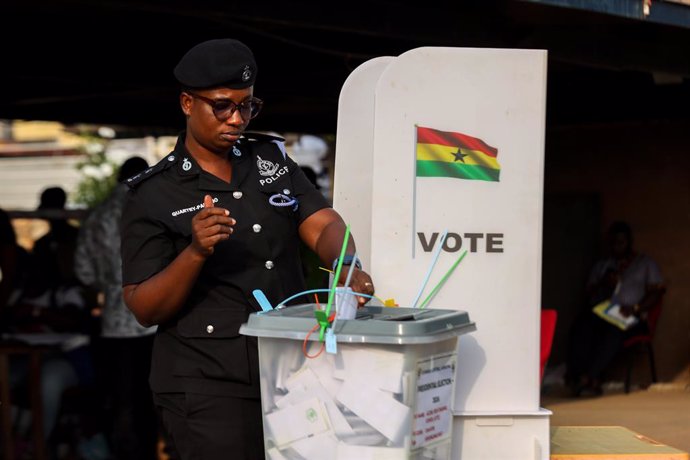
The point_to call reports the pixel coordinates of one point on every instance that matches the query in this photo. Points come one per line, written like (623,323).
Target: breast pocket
(215,347)
(281,203)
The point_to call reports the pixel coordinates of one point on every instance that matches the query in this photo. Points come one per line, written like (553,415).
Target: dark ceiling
(110,62)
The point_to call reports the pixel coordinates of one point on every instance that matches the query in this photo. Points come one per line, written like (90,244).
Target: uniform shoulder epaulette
(252,136)
(165,163)
(261,137)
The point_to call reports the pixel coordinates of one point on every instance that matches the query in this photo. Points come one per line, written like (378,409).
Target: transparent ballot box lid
(385,325)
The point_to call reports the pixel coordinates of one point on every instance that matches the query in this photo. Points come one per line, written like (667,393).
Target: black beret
(225,62)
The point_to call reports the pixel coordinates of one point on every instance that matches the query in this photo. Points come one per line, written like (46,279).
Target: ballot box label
(433,416)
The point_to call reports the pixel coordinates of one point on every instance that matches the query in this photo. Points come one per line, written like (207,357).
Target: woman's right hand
(210,226)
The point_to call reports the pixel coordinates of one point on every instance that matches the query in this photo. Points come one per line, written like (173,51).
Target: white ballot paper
(324,367)
(303,385)
(307,418)
(345,304)
(376,407)
(317,447)
(274,454)
(348,452)
(289,359)
(382,368)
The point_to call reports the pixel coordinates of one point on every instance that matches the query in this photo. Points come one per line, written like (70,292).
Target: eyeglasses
(223,109)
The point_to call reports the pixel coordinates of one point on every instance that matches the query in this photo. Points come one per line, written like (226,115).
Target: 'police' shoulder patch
(165,163)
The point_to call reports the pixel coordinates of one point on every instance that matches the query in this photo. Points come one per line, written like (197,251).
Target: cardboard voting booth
(444,147)
(385,394)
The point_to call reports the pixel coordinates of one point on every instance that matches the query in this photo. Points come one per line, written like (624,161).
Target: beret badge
(246,74)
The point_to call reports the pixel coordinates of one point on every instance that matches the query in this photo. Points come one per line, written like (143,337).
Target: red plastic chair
(548,328)
(643,342)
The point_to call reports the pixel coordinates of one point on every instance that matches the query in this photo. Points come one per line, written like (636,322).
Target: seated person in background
(51,301)
(13,264)
(629,279)
(55,249)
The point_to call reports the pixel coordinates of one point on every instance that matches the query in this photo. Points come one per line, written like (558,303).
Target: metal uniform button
(209,329)
(256,228)
(237,195)
(286,191)
(269,264)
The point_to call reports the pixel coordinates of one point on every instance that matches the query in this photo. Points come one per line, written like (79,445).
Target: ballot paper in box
(385,394)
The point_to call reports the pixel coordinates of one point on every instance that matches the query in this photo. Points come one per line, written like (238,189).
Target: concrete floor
(661,412)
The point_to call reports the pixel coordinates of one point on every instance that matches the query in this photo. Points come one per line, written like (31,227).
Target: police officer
(220,216)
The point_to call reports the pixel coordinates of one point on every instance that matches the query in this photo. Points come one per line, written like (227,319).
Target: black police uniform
(200,351)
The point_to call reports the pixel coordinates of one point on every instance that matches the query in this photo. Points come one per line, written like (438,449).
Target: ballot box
(384,392)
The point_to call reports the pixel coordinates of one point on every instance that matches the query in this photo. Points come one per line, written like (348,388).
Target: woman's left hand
(359,282)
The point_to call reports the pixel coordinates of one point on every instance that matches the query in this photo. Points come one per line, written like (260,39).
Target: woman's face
(208,129)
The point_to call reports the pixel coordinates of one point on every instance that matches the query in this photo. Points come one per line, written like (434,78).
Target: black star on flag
(459,156)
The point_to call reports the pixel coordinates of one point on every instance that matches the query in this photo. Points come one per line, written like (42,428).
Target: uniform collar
(240,157)
(184,161)
(187,166)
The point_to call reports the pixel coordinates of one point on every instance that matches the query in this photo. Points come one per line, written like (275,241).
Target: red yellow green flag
(449,154)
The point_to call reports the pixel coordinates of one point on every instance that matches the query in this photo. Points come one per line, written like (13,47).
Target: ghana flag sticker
(450,154)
